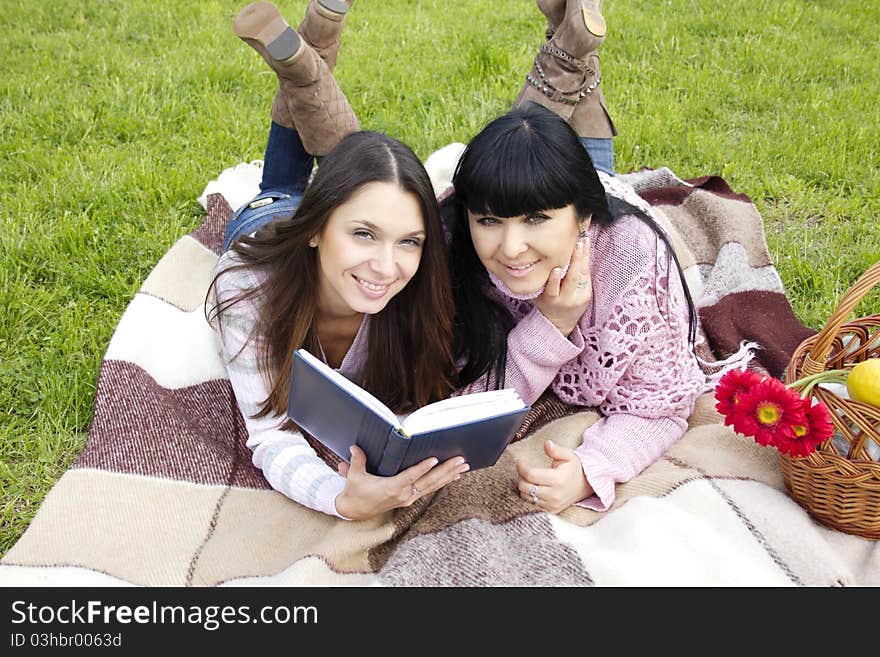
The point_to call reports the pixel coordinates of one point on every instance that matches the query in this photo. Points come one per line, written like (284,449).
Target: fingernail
(459,460)
(434,462)
(464,468)
(457,477)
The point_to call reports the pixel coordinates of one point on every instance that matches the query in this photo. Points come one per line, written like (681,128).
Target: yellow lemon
(863,382)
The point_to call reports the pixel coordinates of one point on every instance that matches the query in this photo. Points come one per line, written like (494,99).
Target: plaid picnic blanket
(164,492)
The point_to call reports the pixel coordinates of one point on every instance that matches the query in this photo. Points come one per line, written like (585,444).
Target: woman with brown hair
(350,266)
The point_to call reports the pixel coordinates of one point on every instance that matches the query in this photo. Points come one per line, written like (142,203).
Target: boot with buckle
(566,68)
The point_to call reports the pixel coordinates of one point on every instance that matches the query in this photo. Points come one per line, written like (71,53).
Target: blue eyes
(411,242)
(531,219)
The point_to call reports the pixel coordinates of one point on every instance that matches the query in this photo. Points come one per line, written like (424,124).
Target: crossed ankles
(308,98)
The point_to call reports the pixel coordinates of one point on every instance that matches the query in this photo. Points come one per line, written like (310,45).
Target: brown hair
(409,349)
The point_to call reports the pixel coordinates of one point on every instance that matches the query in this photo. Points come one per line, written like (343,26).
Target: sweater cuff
(601,475)
(536,336)
(334,489)
(576,337)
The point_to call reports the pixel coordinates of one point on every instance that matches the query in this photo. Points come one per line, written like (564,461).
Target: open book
(340,414)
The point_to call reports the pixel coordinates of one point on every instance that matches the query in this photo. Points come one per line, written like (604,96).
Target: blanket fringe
(739,360)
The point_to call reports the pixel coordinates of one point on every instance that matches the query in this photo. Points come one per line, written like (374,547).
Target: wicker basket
(842,492)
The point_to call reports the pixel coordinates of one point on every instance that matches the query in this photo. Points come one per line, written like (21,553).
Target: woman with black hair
(351,266)
(564,280)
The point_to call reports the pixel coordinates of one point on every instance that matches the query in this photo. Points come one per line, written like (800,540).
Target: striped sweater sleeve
(288,462)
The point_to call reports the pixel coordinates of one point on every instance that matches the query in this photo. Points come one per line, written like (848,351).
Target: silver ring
(582,284)
(415,491)
(533,498)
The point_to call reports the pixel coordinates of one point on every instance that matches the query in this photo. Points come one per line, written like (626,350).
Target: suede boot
(308,97)
(554,10)
(321,26)
(590,117)
(566,69)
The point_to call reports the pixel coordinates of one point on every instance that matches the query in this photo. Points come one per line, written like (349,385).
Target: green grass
(114,114)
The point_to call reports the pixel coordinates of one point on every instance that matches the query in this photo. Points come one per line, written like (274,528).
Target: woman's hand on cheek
(565,298)
(555,488)
(366,495)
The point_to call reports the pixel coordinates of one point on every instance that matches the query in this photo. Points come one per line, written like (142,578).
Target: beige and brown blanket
(165,494)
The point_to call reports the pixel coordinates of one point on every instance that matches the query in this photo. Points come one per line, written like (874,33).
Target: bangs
(518,172)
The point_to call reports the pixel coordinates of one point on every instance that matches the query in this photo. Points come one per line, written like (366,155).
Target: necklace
(321,347)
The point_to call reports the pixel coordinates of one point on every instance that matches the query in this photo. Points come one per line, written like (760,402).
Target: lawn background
(114,115)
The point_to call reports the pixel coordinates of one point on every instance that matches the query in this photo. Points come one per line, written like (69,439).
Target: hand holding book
(341,414)
(365,495)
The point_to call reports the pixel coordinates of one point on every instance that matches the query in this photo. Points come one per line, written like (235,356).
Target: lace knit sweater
(629,357)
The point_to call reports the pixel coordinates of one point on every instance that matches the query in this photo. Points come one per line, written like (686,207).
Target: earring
(585,224)
(313,243)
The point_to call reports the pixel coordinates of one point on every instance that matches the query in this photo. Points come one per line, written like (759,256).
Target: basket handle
(814,361)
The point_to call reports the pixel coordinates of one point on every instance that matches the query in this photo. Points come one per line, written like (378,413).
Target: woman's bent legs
(601,151)
(310,114)
(286,162)
(308,97)
(286,170)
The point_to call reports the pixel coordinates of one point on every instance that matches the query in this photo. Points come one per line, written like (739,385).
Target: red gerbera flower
(769,412)
(816,429)
(730,389)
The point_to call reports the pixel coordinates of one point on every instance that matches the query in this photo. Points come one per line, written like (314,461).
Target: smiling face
(369,249)
(523,250)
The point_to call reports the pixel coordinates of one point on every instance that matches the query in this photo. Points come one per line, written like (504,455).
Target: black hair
(525,161)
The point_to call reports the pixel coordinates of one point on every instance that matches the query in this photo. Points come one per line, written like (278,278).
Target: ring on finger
(583,283)
(533,494)
(415,491)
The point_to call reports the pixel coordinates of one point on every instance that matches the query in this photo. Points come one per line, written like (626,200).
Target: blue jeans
(601,151)
(286,170)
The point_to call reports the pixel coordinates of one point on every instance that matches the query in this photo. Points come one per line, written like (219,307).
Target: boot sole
(335,10)
(263,23)
(593,18)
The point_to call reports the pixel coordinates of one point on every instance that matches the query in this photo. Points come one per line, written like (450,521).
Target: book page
(462,410)
(352,388)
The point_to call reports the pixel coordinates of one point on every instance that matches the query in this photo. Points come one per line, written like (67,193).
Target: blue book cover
(339,413)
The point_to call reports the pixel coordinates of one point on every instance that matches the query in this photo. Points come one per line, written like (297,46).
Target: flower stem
(806,384)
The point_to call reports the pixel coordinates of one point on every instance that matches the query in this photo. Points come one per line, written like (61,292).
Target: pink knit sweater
(628,356)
